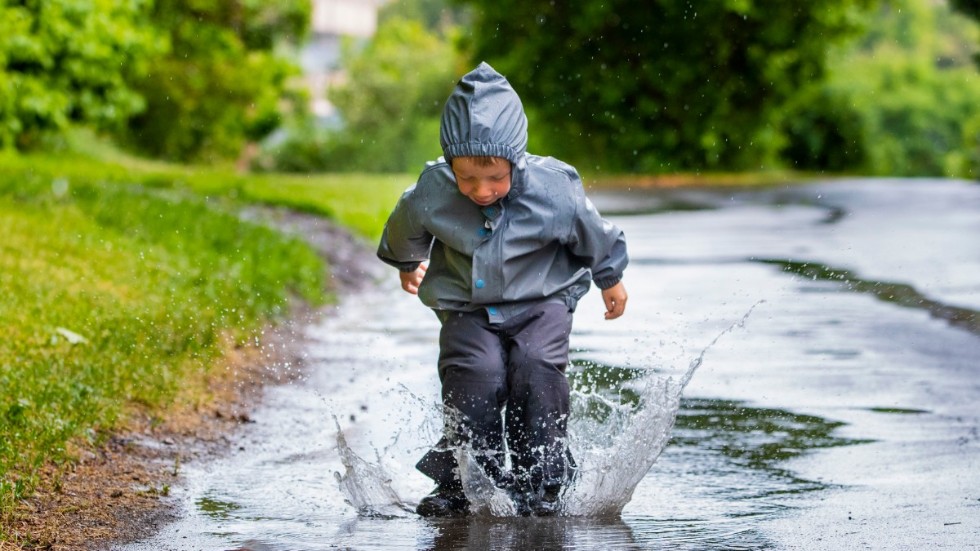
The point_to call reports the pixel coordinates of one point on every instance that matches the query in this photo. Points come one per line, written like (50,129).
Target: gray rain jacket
(544,241)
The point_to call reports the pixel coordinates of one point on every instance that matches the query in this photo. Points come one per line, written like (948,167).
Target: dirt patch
(119,491)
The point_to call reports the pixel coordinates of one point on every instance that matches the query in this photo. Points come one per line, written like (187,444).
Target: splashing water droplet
(614,450)
(367,486)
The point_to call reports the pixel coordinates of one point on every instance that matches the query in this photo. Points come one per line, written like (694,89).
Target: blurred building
(333,20)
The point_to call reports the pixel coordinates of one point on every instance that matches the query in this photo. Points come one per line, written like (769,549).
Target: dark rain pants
(518,367)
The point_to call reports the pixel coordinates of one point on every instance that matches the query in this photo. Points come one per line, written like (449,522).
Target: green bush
(822,131)
(914,90)
(67,61)
(967,162)
(173,79)
(901,101)
(221,81)
(970,8)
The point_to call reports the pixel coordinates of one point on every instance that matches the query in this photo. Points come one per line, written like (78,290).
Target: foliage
(910,86)
(67,61)
(179,79)
(821,130)
(396,85)
(221,81)
(916,114)
(920,28)
(390,103)
(435,15)
(661,85)
(970,8)
(969,157)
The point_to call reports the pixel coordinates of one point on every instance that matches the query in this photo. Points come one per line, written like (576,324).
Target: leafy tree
(67,61)
(221,80)
(968,159)
(437,15)
(914,114)
(968,7)
(972,9)
(390,101)
(911,88)
(821,130)
(394,93)
(664,84)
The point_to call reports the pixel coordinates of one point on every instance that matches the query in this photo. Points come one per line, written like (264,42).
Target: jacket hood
(484,117)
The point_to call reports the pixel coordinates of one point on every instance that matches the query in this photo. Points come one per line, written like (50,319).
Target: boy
(511,244)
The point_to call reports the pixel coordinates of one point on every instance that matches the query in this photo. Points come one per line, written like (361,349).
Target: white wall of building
(346,17)
(332,20)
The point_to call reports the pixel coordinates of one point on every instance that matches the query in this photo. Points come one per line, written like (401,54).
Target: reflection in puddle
(900,411)
(900,294)
(834,354)
(531,533)
(757,438)
(217,509)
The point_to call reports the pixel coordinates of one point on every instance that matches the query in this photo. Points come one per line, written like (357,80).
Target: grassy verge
(359,201)
(119,282)
(718,179)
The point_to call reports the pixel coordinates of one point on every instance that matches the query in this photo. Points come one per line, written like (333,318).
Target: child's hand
(615,299)
(412,280)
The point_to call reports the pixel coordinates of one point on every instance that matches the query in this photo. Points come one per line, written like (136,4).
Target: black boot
(547,504)
(444,501)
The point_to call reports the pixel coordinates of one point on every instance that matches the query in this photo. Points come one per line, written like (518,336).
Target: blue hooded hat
(484,117)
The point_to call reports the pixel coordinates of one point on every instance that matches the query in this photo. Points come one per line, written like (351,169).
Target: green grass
(761,178)
(119,281)
(361,202)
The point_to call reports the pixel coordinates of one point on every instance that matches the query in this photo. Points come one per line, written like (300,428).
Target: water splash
(614,450)
(609,472)
(486,499)
(367,486)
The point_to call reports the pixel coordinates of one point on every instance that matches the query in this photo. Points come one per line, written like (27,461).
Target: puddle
(216,509)
(899,411)
(842,417)
(900,294)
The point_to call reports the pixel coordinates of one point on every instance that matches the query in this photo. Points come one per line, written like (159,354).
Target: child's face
(484,185)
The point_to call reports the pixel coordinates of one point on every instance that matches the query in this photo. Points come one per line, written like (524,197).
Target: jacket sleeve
(405,243)
(596,241)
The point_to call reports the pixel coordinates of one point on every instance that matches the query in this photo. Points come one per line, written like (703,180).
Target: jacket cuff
(607,282)
(410,266)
